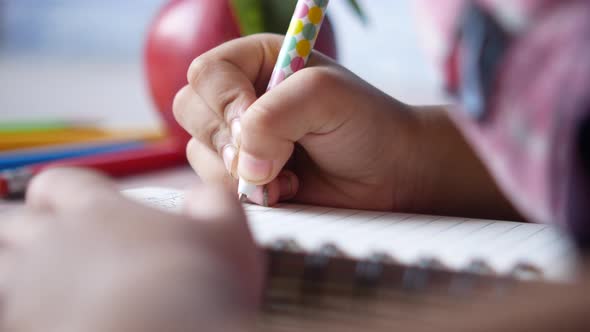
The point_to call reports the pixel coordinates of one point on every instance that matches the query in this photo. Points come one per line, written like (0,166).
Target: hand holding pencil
(324,136)
(294,55)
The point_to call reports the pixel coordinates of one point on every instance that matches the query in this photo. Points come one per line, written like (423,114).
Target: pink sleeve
(535,135)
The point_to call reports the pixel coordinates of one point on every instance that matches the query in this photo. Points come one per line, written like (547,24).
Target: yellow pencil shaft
(20,141)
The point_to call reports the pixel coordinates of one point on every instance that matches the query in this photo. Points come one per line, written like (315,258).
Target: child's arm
(324,136)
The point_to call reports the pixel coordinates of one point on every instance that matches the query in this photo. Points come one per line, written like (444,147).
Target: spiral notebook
(453,242)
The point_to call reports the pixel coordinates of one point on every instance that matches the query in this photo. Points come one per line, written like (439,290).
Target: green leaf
(358,10)
(255,16)
(278,14)
(249,14)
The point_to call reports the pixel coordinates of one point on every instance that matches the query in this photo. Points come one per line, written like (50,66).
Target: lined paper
(408,238)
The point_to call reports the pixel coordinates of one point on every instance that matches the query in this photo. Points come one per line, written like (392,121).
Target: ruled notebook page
(408,238)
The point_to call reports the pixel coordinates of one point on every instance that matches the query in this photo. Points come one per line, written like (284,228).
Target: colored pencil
(149,158)
(14,141)
(27,126)
(9,160)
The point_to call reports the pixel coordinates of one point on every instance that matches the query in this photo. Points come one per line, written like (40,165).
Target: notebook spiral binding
(296,276)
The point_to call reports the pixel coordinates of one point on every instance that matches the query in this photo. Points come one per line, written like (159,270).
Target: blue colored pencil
(10,160)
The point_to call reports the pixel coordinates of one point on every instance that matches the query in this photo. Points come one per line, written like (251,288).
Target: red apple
(185,29)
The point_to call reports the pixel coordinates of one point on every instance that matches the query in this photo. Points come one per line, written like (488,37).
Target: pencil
(294,54)
(14,141)
(10,160)
(144,159)
(25,126)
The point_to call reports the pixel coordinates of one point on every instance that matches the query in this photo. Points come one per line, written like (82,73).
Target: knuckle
(270,43)
(198,69)
(258,120)
(314,79)
(179,106)
(207,133)
(267,37)
(226,100)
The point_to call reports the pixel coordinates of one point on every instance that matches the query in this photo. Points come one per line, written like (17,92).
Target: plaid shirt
(521,70)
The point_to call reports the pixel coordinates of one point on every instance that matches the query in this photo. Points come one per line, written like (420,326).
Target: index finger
(230,77)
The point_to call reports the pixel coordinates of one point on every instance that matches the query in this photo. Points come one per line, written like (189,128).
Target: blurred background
(83,58)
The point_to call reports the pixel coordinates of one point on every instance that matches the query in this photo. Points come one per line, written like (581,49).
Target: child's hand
(345,128)
(85,258)
(323,136)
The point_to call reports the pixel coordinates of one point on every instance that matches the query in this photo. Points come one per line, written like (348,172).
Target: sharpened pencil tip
(243,198)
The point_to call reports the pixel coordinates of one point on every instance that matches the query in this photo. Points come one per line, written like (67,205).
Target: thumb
(281,117)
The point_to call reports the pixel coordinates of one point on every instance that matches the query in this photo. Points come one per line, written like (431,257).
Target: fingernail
(229,155)
(236,131)
(285,185)
(253,169)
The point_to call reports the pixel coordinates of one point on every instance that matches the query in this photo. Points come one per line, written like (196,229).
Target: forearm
(457,181)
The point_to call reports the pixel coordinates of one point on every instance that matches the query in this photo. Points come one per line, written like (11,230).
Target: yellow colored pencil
(14,141)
